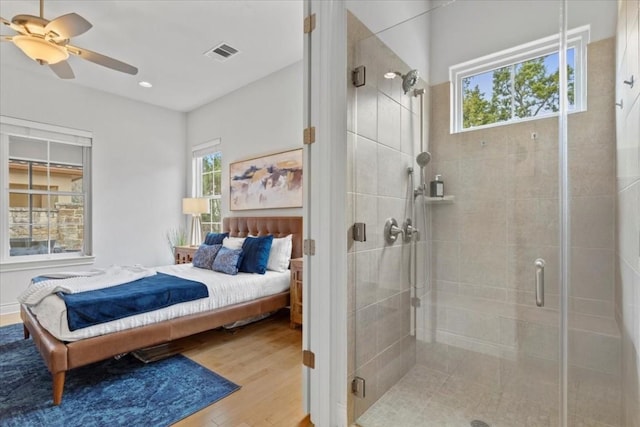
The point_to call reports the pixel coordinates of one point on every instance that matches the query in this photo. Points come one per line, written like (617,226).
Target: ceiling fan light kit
(41,50)
(47,42)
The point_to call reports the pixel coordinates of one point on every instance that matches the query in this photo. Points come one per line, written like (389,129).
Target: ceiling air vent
(221,52)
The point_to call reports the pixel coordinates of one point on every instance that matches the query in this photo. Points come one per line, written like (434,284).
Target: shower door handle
(539,263)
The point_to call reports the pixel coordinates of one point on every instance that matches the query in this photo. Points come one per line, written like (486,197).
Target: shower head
(423,159)
(409,80)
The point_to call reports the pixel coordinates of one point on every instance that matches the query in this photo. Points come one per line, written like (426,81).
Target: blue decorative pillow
(204,256)
(215,238)
(256,254)
(227,260)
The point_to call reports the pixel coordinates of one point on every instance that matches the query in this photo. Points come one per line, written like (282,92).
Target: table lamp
(195,207)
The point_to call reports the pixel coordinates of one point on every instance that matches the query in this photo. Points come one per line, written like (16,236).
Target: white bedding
(224,290)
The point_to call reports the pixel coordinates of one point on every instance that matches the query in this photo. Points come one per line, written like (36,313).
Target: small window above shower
(518,84)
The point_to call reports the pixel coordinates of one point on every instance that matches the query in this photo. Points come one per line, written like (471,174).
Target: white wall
(138,168)
(466,29)
(261,118)
(410,41)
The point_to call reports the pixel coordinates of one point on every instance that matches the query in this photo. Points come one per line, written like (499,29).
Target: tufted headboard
(279,226)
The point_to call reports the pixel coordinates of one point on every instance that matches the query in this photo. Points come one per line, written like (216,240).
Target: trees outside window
(518,84)
(207,183)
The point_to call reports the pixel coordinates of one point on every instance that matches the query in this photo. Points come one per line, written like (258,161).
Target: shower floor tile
(485,391)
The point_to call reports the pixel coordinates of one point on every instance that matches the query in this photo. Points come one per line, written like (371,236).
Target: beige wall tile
(366,331)
(529,338)
(593,351)
(366,279)
(601,67)
(593,307)
(533,222)
(366,112)
(388,122)
(483,178)
(532,173)
(393,266)
(390,325)
(391,366)
(366,163)
(445,261)
(472,324)
(592,222)
(486,143)
(483,221)
(592,169)
(482,264)
(393,179)
(628,217)
(445,222)
(485,292)
(409,131)
(592,273)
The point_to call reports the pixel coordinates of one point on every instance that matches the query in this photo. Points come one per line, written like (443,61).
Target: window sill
(10,265)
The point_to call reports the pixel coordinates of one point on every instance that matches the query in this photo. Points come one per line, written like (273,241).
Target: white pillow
(233,242)
(280,254)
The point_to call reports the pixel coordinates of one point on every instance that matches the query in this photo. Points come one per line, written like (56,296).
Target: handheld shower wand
(422,160)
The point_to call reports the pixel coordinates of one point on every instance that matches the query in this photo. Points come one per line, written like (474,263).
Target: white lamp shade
(195,206)
(39,49)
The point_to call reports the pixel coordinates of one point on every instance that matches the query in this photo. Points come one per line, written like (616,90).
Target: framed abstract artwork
(272,181)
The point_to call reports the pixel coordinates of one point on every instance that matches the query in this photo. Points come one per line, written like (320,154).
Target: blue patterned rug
(109,393)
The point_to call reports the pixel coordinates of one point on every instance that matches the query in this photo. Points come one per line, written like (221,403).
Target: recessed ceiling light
(145,84)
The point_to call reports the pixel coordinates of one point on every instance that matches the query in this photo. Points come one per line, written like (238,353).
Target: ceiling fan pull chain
(42,9)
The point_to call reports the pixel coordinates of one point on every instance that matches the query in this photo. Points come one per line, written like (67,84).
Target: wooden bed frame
(61,357)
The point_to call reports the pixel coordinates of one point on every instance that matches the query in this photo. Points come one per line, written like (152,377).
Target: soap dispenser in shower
(436,188)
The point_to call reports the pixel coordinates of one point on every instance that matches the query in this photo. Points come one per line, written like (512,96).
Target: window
(207,183)
(518,84)
(47,198)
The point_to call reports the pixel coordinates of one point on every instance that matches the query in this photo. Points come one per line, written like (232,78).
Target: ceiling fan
(47,42)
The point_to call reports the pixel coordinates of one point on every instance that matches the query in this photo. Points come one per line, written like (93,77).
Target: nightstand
(184,254)
(296,292)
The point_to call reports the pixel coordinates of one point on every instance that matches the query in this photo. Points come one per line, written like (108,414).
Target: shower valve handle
(409,230)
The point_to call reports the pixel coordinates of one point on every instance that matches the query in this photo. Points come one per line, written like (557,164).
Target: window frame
(14,127)
(197,153)
(577,38)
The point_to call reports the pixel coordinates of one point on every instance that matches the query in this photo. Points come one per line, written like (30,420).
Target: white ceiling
(166,40)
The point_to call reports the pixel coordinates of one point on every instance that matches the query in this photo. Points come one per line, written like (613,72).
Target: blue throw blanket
(140,296)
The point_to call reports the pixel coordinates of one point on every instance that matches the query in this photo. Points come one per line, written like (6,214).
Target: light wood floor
(264,358)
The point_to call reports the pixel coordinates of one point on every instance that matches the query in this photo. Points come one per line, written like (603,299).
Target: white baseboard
(10,308)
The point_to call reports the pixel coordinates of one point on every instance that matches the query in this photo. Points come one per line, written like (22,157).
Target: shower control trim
(408,230)
(391,230)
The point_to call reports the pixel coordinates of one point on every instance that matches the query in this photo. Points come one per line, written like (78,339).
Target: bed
(61,356)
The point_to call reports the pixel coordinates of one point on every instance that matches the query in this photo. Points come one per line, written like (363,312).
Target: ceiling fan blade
(14,27)
(103,60)
(62,70)
(69,25)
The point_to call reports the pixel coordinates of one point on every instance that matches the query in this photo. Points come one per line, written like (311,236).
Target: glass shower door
(468,333)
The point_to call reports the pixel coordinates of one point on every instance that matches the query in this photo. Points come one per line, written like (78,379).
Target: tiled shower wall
(505,215)
(628,208)
(383,129)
